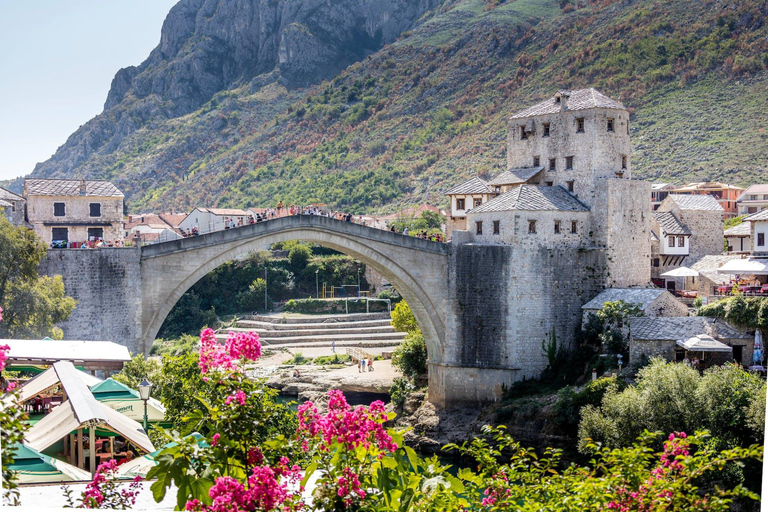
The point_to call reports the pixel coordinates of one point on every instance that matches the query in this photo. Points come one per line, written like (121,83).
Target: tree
(186,317)
(33,303)
(299,256)
(403,319)
(138,368)
(411,356)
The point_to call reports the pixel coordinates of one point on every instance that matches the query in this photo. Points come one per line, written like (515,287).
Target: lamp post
(620,361)
(144,388)
(358,282)
(265,290)
(317,285)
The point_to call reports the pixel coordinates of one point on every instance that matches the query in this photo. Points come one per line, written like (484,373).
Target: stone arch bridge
(457,292)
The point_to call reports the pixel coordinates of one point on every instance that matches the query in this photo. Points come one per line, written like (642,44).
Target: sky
(57,61)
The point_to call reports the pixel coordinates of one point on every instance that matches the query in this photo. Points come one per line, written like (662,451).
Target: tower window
(610,125)
(58,210)
(496,227)
(459,204)
(531,226)
(557,99)
(477,201)
(479,227)
(580,125)
(570,186)
(573,226)
(552,164)
(536,161)
(545,127)
(569,163)
(549,183)
(557,227)
(523,135)
(623,161)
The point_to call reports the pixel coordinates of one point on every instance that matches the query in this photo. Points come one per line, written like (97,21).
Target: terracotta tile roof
(644,297)
(681,328)
(7,195)
(473,185)
(742,229)
(695,202)
(670,224)
(515,176)
(45,187)
(530,198)
(580,99)
(762,215)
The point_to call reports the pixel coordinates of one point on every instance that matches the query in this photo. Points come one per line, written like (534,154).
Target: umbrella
(681,272)
(703,343)
(33,467)
(126,401)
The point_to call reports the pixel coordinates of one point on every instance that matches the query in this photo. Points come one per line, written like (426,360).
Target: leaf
(308,473)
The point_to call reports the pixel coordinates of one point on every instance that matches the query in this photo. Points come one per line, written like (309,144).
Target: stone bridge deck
(289,223)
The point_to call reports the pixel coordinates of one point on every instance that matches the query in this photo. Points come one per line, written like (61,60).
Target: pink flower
(215,439)
(239,346)
(3,355)
(11,386)
(240,397)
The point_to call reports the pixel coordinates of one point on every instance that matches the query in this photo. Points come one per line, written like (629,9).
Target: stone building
(464,197)
(659,192)
(563,222)
(696,221)
(658,336)
(652,302)
(74,211)
(726,195)
(753,200)
(13,206)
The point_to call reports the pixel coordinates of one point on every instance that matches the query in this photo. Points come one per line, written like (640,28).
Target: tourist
(333,346)
(392,229)
(363,361)
(370,365)
(405,231)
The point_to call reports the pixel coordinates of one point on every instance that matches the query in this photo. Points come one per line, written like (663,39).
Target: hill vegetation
(427,111)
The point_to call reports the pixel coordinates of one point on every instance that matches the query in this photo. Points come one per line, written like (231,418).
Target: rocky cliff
(208,46)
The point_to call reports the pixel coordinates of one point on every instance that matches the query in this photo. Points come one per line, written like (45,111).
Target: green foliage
(298,359)
(399,390)
(185,344)
(410,357)
(299,256)
(331,306)
(332,360)
(33,303)
(403,319)
(570,400)
(13,424)
(252,299)
(671,397)
(732,222)
(135,370)
(749,312)
(697,303)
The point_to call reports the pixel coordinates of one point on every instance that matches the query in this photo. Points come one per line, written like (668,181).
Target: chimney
(82,187)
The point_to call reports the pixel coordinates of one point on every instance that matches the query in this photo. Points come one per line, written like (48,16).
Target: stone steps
(245,325)
(308,319)
(315,332)
(389,338)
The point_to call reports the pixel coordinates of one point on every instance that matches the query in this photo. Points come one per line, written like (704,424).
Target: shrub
(399,390)
(298,359)
(411,356)
(334,359)
(403,319)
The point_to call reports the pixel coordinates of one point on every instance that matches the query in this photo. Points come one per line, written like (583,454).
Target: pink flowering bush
(12,427)
(105,492)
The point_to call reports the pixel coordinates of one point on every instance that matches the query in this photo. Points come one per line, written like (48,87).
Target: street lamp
(620,361)
(358,282)
(144,388)
(317,285)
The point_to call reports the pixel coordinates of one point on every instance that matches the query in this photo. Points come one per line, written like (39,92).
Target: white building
(739,237)
(207,220)
(753,200)
(465,196)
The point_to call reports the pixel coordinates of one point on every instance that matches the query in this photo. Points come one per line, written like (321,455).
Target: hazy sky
(57,60)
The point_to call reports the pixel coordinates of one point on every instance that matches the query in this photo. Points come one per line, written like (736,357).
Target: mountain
(370,105)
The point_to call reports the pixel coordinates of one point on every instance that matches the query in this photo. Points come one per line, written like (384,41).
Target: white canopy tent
(91,355)
(80,411)
(745,266)
(704,343)
(47,380)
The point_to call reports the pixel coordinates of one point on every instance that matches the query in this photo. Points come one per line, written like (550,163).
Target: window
(623,161)
(570,186)
(477,202)
(655,262)
(479,227)
(552,164)
(532,226)
(95,209)
(58,210)
(671,240)
(60,234)
(627,127)
(549,183)
(574,227)
(557,227)
(536,161)
(545,127)
(557,99)
(496,227)
(753,197)
(681,241)
(610,125)
(761,239)
(765,197)
(523,135)
(569,163)
(580,125)
(95,234)
(459,204)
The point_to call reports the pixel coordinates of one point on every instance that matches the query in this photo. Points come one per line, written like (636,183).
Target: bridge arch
(417,268)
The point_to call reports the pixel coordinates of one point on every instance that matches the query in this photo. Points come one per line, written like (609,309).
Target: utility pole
(265,290)
(317,285)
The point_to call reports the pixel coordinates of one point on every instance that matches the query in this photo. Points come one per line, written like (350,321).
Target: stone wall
(77,216)
(15,212)
(706,230)
(513,229)
(107,285)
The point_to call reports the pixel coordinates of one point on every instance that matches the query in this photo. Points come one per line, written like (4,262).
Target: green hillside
(424,113)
